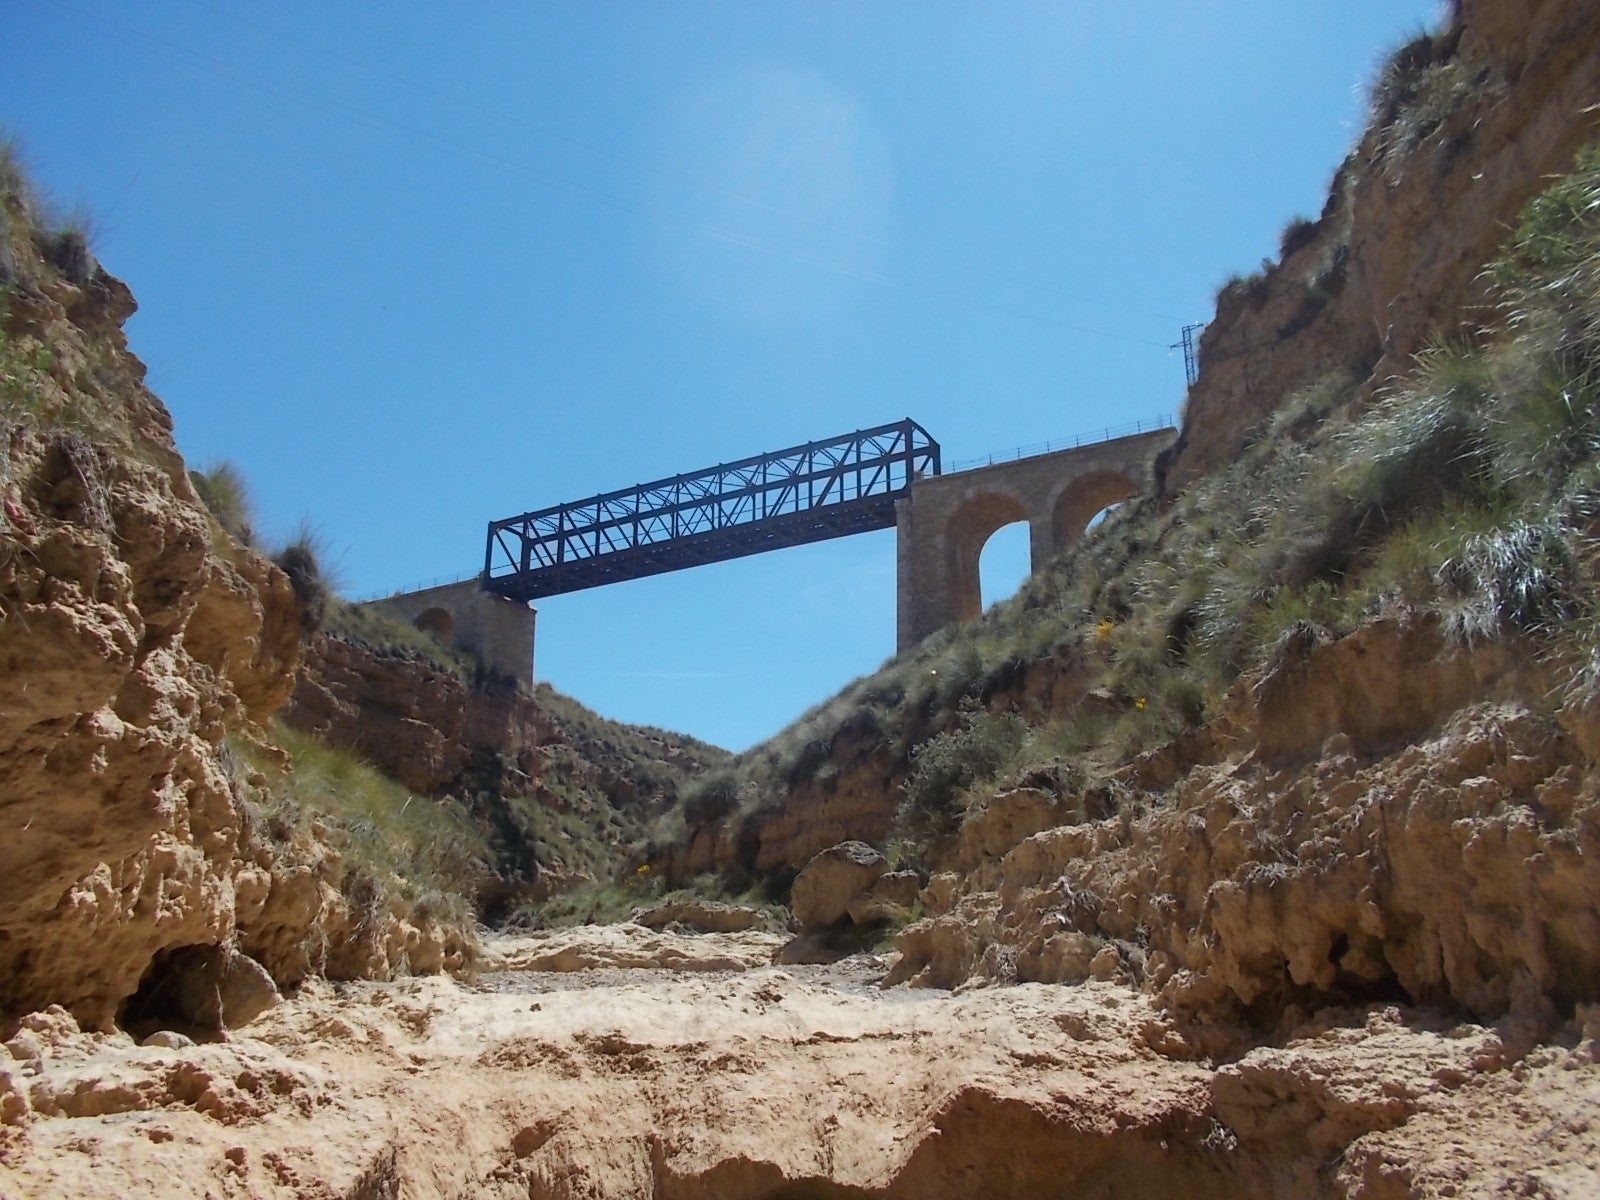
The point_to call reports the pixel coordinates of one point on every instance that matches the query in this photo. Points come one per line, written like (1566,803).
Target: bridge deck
(826,489)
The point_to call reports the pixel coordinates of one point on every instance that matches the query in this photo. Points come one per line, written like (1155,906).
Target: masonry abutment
(464,616)
(942,525)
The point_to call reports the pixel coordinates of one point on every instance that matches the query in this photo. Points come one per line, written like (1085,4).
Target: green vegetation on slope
(601,787)
(425,851)
(571,815)
(71,393)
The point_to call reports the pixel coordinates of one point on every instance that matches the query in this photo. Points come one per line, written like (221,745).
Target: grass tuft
(1296,236)
(222,489)
(304,560)
(391,841)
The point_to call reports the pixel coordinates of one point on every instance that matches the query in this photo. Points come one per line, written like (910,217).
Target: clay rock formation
(702,916)
(856,799)
(843,892)
(417,721)
(134,638)
(1473,124)
(1443,848)
(524,763)
(630,947)
(142,654)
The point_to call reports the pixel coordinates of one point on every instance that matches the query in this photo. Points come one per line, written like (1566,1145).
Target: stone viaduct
(942,525)
(941,522)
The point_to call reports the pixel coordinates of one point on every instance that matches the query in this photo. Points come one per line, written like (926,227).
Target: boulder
(833,880)
(168,1039)
(702,916)
(215,987)
(889,898)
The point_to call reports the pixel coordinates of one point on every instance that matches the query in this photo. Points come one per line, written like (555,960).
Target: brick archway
(1081,498)
(439,622)
(944,522)
(969,529)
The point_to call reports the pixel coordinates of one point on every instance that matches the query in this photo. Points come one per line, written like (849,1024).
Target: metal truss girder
(762,503)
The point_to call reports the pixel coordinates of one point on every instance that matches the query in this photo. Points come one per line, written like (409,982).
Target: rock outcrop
(1385,819)
(1471,122)
(834,882)
(1394,814)
(142,654)
(700,916)
(133,638)
(418,721)
(526,763)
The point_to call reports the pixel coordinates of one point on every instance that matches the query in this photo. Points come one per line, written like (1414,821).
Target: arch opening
(1085,502)
(968,531)
(1095,521)
(439,623)
(1004,563)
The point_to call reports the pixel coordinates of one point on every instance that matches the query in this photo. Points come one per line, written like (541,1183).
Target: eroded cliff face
(140,650)
(132,638)
(416,720)
(856,797)
(1467,128)
(560,793)
(1390,814)
(1387,816)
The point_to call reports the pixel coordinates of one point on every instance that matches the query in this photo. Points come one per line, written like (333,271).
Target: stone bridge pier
(943,523)
(464,616)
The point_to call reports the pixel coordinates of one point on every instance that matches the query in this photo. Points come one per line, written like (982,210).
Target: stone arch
(969,527)
(439,622)
(944,521)
(1081,499)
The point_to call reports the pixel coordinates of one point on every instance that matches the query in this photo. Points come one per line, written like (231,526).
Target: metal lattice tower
(1191,357)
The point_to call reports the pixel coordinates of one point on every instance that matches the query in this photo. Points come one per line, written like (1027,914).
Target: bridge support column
(922,589)
(464,616)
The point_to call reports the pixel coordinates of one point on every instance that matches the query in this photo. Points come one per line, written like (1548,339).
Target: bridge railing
(424,585)
(1108,433)
(822,489)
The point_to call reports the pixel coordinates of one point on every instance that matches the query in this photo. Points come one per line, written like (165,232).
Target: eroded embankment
(752,1081)
(1345,832)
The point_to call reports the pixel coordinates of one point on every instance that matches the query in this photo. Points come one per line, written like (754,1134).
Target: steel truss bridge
(827,489)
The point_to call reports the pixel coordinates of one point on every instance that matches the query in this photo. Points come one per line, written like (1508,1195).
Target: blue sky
(414,269)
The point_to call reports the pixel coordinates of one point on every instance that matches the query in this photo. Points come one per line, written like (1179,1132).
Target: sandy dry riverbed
(685,1066)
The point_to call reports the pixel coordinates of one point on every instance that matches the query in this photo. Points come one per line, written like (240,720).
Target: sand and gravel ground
(719,1075)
